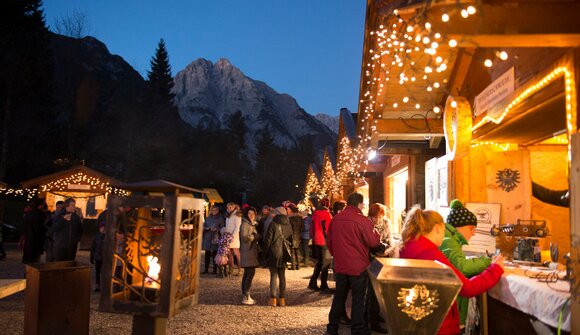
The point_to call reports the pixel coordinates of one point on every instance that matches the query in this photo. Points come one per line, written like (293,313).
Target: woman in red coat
(422,234)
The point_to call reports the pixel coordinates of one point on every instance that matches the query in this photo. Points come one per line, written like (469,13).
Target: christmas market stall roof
(78,178)
(159,186)
(418,53)
(213,195)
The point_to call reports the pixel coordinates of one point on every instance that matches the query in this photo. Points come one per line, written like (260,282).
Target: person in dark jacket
(67,232)
(262,216)
(97,254)
(279,231)
(50,220)
(422,234)
(350,237)
(297,223)
(305,242)
(211,227)
(34,232)
(249,238)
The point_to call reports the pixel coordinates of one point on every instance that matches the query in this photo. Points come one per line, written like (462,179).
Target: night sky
(309,49)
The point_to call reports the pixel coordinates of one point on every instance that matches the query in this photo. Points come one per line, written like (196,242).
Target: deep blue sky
(310,49)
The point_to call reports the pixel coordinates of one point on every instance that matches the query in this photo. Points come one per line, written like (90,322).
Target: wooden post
(575,234)
(148,325)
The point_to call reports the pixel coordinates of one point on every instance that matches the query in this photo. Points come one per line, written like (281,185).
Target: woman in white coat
(233,223)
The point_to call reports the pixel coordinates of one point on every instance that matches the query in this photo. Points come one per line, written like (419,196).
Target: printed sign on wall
(487,216)
(495,92)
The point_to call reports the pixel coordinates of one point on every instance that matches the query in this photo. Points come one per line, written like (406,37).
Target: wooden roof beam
(460,69)
(409,126)
(518,40)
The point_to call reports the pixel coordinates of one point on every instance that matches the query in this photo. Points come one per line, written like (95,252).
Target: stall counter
(543,300)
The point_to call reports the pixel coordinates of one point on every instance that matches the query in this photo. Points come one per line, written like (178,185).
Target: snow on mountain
(331,121)
(206,94)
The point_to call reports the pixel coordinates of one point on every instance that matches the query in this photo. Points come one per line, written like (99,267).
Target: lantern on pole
(151,256)
(414,294)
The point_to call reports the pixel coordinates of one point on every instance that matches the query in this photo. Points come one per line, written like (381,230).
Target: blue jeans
(358,285)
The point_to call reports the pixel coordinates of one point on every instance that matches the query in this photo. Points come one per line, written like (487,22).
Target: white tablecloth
(535,298)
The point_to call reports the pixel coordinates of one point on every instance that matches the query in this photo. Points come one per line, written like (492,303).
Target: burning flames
(153,271)
(418,301)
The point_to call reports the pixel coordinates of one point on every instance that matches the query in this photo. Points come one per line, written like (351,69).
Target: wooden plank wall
(575,232)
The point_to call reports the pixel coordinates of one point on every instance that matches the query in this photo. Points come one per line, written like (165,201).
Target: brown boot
(272,302)
(281,302)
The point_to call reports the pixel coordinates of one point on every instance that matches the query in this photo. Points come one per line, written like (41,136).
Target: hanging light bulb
(409,28)
(452,43)
(406,99)
(436,109)
(434,45)
(454,104)
(471,10)
(438,60)
(426,40)
(464,13)
(395,105)
(417,106)
(503,55)
(428,69)
(429,89)
(488,63)
(427,25)
(437,35)
(443,67)
(436,85)
(445,17)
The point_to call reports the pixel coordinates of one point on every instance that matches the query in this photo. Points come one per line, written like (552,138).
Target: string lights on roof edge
(390,55)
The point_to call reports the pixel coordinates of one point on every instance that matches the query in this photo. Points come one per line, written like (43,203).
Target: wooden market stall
(88,187)
(498,82)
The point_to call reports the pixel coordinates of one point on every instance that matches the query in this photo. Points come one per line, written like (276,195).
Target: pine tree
(26,82)
(159,77)
(235,162)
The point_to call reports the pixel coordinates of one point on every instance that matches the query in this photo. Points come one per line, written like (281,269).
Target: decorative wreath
(417,302)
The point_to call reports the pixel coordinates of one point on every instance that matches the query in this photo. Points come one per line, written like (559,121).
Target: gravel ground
(219,310)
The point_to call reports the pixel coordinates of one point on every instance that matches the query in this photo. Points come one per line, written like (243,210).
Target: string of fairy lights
(412,52)
(328,183)
(61,187)
(312,185)
(331,181)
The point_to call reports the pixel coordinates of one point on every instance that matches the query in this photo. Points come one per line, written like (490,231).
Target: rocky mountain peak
(207,94)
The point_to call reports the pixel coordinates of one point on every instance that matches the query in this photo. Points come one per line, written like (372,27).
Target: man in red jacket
(350,236)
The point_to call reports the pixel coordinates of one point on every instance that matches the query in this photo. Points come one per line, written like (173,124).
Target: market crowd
(55,234)
(346,237)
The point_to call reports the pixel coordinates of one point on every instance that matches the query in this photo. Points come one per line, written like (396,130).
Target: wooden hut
(498,81)
(88,187)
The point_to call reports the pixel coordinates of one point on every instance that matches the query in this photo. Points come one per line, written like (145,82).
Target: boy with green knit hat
(459,229)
